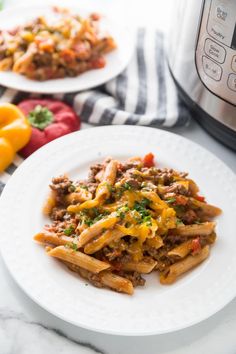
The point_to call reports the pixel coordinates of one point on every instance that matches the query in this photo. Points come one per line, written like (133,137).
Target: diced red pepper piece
(200,198)
(196,246)
(95,16)
(148,160)
(181,200)
(98,63)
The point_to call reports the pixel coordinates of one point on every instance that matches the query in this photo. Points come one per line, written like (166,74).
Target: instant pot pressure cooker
(201,50)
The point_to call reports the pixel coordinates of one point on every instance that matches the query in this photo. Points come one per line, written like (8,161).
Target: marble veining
(19,335)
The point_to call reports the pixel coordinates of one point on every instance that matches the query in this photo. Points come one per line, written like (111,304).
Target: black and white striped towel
(144,94)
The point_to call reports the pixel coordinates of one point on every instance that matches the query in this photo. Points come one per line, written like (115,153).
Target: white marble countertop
(26,328)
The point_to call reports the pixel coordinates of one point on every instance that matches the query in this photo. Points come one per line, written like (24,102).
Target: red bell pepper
(50,119)
(148,160)
(200,198)
(196,246)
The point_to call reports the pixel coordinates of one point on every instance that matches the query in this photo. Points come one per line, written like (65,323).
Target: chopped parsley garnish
(88,222)
(148,220)
(127,186)
(170,200)
(84,187)
(179,209)
(72,188)
(140,207)
(110,188)
(69,231)
(95,211)
(72,245)
(179,222)
(121,211)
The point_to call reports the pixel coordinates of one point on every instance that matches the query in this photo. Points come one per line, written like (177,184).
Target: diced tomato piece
(196,245)
(67,54)
(200,198)
(98,63)
(95,16)
(148,160)
(116,265)
(181,200)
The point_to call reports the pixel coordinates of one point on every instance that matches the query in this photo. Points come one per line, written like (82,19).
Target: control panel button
(233,65)
(232,82)
(211,69)
(214,50)
(221,12)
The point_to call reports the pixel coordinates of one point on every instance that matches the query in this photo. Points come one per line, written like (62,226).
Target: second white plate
(117,60)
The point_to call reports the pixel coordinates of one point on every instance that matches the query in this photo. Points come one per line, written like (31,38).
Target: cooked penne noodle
(182,250)
(206,209)
(103,240)
(193,187)
(103,190)
(140,267)
(78,258)
(203,229)
(177,269)
(50,203)
(88,204)
(96,229)
(117,282)
(106,278)
(80,196)
(21,65)
(54,239)
(6,64)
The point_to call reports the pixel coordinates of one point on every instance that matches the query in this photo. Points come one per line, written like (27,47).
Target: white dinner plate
(116,61)
(154,308)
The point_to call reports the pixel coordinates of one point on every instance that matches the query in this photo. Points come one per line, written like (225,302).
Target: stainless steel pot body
(201,49)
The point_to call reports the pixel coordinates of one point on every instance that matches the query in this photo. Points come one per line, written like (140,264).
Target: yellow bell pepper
(15,133)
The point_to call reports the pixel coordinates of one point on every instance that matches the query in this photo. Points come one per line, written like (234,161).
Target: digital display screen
(233,44)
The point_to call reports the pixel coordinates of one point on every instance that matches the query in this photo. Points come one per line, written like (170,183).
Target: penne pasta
(205,209)
(54,239)
(88,204)
(117,282)
(106,278)
(6,64)
(140,267)
(196,229)
(96,229)
(181,267)
(103,190)
(50,203)
(182,250)
(102,241)
(78,258)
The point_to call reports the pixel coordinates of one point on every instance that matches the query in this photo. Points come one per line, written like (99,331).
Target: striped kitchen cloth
(143,94)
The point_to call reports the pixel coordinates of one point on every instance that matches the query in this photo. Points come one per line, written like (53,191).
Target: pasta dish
(128,219)
(65,46)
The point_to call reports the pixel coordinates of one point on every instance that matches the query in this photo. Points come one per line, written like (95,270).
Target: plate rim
(89,327)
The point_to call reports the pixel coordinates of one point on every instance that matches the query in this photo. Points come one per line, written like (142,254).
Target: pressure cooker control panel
(216,48)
